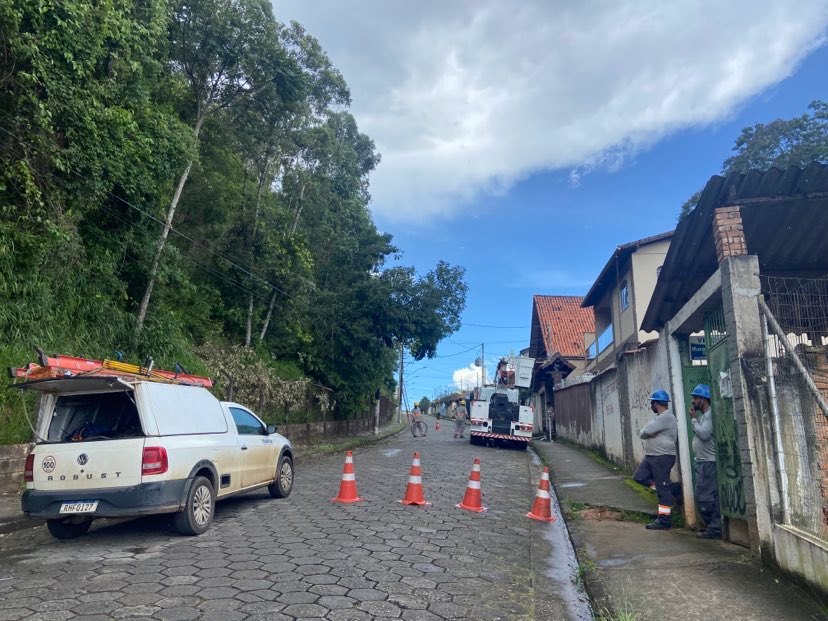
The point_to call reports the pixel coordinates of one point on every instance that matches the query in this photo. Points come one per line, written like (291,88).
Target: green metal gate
(728,458)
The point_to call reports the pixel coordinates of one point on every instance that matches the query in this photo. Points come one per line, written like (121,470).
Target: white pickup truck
(110,448)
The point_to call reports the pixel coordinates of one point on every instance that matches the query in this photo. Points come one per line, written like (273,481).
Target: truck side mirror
(271,429)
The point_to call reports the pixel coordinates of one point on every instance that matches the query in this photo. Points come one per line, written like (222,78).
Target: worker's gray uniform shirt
(660,435)
(704,446)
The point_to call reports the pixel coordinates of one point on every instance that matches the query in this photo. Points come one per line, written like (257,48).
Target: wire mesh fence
(796,312)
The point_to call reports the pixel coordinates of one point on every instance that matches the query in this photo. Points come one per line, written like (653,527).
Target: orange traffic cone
(347,488)
(437,425)
(414,491)
(542,507)
(472,500)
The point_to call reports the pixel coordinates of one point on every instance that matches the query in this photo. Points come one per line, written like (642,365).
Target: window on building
(624,296)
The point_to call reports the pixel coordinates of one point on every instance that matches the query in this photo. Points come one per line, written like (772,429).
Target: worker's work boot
(658,524)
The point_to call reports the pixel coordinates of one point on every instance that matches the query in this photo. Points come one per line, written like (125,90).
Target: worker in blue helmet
(704,450)
(659,437)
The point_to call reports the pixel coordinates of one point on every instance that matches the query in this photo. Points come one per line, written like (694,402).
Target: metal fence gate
(795,322)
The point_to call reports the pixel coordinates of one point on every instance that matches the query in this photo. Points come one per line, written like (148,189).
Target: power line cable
(118,216)
(151,217)
(480,325)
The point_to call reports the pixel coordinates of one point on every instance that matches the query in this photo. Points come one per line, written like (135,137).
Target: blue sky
(531,192)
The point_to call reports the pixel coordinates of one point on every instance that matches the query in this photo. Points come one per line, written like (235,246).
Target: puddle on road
(391,452)
(563,566)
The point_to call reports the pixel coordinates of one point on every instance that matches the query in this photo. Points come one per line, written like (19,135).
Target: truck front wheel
(283,484)
(199,508)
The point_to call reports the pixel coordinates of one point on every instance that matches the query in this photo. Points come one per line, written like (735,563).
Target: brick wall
(12,460)
(728,233)
(820,377)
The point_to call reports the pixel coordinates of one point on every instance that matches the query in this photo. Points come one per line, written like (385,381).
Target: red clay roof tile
(562,323)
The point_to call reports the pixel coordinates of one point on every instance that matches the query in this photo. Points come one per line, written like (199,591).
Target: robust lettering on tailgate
(77,477)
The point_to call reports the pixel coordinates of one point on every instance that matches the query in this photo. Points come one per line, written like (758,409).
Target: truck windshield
(105,416)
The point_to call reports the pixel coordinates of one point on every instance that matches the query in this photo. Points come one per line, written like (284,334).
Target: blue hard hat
(660,395)
(702,390)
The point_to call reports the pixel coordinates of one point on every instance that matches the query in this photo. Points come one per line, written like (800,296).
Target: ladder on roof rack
(70,366)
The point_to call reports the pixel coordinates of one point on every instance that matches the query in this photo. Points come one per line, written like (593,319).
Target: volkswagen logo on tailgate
(83,458)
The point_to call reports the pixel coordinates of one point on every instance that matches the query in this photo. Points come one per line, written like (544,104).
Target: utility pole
(482,365)
(400,388)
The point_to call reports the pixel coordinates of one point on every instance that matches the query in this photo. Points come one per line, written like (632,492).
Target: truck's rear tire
(199,508)
(68,528)
(476,440)
(282,486)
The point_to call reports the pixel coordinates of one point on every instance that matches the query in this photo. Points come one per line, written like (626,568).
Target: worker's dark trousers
(707,496)
(655,469)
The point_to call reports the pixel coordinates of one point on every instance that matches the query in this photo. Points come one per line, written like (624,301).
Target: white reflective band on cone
(542,493)
(416,462)
(348,476)
(545,476)
(474,485)
(476,468)
(417,480)
(349,460)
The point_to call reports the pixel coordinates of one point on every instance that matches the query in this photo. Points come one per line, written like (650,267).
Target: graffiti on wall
(728,458)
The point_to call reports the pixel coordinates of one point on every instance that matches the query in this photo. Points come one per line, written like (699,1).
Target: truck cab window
(247,424)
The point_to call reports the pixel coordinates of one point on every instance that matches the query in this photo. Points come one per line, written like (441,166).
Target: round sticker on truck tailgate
(48,463)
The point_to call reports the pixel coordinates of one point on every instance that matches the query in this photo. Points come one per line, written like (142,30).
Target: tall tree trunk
(249,330)
(162,241)
(267,317)
(298,211)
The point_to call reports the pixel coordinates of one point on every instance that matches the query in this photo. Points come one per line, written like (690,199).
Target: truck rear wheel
(199,508)
(68,528)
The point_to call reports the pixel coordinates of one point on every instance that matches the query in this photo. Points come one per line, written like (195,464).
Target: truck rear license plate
(79,506)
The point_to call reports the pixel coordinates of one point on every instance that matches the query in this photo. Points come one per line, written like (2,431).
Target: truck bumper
(499,436)
(113,502)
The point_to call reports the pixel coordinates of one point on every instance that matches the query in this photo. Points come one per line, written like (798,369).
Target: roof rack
(60,365)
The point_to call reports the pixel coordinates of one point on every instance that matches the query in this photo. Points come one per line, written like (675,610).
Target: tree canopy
(181,179)
(780,144)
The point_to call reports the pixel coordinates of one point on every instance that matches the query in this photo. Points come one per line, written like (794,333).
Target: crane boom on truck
(496,415)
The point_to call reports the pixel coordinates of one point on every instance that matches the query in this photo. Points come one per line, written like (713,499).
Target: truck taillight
(154,461)
(28,469)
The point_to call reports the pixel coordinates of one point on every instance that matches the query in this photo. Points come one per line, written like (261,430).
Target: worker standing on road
(704,449)
(660,436)
(460,419)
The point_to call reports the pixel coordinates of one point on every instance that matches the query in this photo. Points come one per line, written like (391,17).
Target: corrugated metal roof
(785,221)
(607,278)
(559,324)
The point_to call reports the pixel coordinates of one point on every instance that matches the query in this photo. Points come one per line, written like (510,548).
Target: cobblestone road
(307,558)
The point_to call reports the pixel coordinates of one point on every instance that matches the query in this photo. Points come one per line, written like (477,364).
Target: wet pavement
(308,558)
(648,575)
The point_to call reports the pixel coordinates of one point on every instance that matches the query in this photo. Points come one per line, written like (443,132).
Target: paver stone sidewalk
(663,574)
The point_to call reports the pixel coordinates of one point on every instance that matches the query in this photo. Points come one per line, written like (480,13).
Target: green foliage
(273,272)
(778,144)
(425,403)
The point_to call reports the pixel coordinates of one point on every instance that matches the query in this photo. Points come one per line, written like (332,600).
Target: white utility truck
(496,416)
(114,445)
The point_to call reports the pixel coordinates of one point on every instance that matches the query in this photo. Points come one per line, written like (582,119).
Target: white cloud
(465,98)
(467,377)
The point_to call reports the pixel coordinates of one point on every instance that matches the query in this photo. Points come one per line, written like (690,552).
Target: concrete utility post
(400,388)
